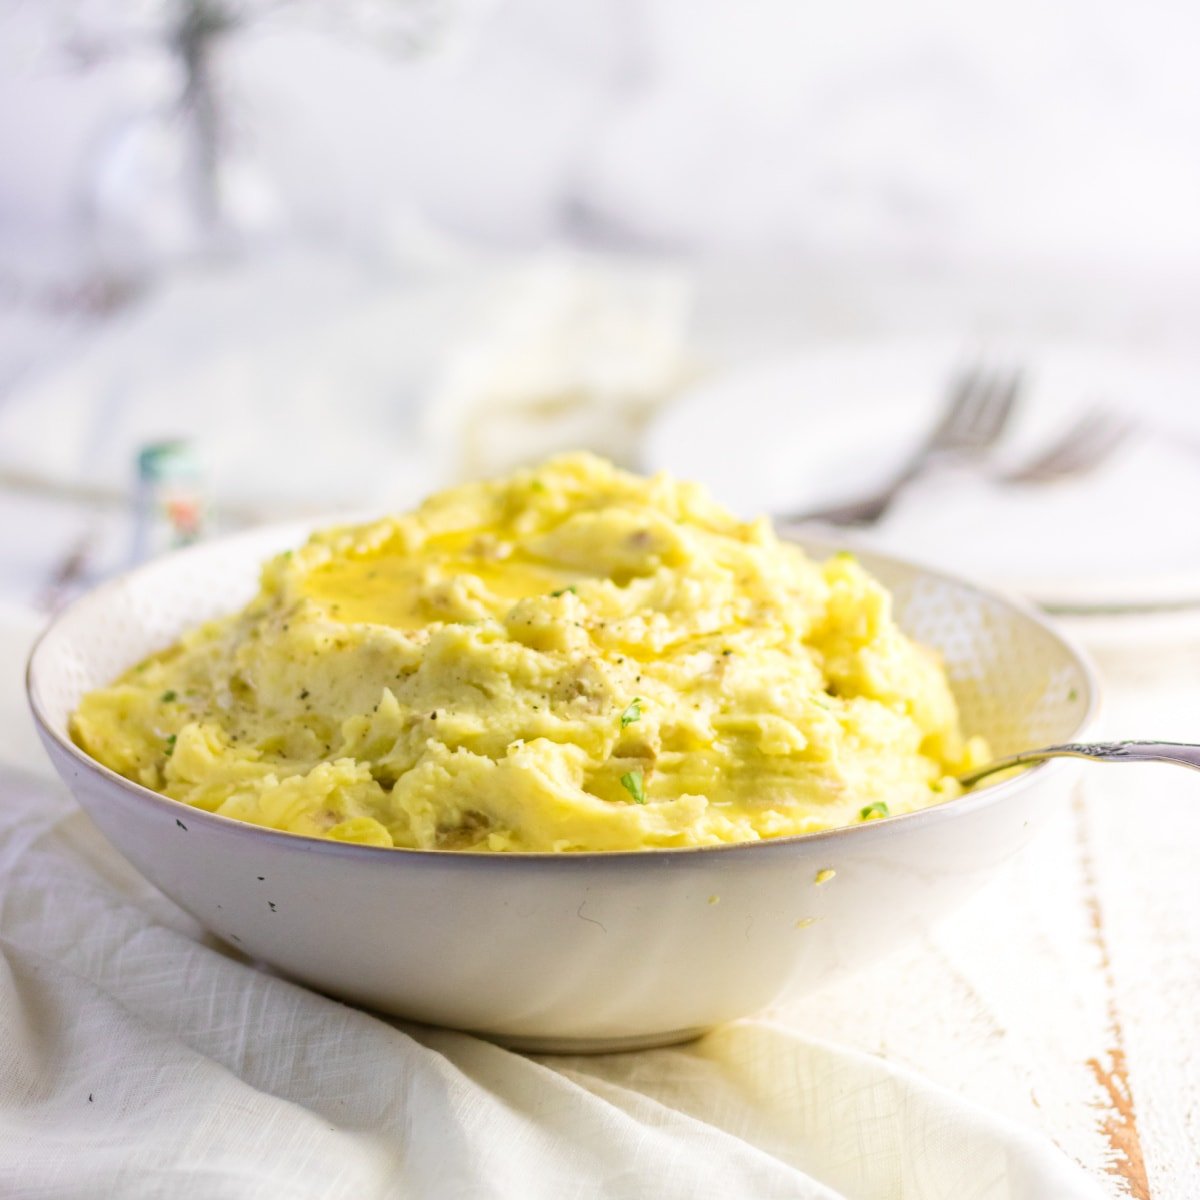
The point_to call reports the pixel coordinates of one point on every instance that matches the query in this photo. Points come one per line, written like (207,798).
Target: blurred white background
(349,253)
(1047,135)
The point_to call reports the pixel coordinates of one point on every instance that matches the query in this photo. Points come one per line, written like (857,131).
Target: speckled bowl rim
(282,534)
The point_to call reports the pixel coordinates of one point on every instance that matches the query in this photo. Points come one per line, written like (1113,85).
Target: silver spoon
(1182,753)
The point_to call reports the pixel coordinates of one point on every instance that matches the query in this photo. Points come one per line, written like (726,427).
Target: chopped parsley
(1073,694)
(632,713)
(634,782)
(536,485)
(873,812)
(562,591)
(171,744)
(167,697)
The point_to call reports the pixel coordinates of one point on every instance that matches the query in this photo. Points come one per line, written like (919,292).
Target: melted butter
(392,589)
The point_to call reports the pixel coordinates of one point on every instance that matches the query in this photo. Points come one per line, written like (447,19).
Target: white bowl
(572,952)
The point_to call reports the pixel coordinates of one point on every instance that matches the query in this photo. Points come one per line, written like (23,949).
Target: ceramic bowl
(575,952)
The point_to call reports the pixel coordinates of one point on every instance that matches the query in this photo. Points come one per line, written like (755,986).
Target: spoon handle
(1182,753)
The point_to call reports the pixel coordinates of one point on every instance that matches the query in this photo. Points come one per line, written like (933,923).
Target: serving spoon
(1182,753)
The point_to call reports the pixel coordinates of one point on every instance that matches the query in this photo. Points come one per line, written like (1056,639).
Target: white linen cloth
(142,1058)
(139,1057)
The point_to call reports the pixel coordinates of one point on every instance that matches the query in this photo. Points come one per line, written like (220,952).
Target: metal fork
(977,409)
(1094,437)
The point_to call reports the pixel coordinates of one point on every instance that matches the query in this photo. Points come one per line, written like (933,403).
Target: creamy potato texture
(572,658)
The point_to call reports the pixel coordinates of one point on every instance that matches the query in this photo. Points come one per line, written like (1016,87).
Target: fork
(1095,436)
(977,409)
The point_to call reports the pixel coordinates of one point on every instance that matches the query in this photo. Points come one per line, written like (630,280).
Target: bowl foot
(532,1044)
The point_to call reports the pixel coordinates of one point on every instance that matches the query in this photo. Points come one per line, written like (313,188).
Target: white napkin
(308,382)
(139,1057)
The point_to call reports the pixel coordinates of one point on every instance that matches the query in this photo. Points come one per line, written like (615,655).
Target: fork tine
(985,386)
(1104,438)
(957,411)
(996,408)
(1081,442)
(1108,430)
(1091,439)
(981,405)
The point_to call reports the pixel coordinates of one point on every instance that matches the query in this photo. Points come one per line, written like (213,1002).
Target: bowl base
(533,1044)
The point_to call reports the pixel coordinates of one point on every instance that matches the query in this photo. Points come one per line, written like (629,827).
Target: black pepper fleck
(271,905)
(181,824)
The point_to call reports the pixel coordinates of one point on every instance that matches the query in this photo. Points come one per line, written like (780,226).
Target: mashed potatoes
(572,658)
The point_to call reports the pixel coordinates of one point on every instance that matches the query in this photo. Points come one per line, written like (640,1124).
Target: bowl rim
(280,532)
